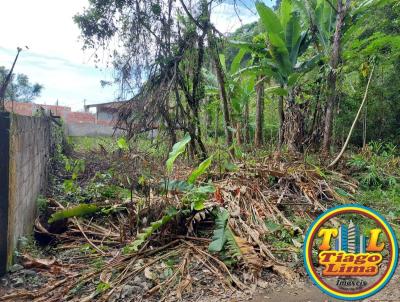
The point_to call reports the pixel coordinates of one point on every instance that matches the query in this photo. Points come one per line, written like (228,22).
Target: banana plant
(287,40)
(284,56)
(320,15)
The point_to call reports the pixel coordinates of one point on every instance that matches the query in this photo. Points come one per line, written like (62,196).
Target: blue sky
(55,58)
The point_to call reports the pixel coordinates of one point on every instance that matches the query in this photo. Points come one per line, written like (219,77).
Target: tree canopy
(20,88)
(297,76)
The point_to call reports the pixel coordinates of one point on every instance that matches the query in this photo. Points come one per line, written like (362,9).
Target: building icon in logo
(349,239)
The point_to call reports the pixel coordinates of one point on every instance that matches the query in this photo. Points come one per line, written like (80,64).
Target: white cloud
(225,17)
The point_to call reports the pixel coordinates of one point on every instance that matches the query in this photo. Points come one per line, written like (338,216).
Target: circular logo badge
(350,252)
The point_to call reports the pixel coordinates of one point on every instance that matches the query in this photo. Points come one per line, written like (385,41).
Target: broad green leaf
(223,61)
(293,35)
(68,185)
(253,47)
(280,53)
(309,64)
(177,185)
(249,84)
(200,170)
(207,189)
(147,232)
(177,150)
(122,144)
(269,19)
(254,70)
(285,12)
(228,166)
(77,211)
(198,205)
(277,90)
(299,48)
(324,20)
(236,61)
(365,5)
(293,79)
(236,104)
(219,237)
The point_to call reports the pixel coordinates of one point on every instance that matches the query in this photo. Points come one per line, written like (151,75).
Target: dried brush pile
(194,237)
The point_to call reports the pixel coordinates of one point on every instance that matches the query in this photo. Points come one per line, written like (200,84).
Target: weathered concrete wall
(28,158)
(91,130)
(4,164)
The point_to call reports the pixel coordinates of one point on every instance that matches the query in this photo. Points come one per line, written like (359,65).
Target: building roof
(114,104)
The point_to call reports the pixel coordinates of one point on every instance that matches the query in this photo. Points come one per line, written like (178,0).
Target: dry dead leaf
(30,262)
(285,272)
(149,274)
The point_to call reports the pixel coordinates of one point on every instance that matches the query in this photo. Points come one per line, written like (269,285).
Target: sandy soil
(307,292)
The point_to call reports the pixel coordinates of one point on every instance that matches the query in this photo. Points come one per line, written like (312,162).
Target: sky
(55,58)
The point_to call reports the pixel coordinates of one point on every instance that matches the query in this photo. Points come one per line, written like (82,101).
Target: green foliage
(224,241)
(377,166)
(85,143)
(272,226)
(200,170)
(20,88)
(232,244)
(220,231)
(270,20)
(74,167)
(323,16)
(288,39)
(102,287)
(198,195)
(42,204)
(147,232)
(76,211)
(177,150)
(122,144)
(102,186)
(178,186)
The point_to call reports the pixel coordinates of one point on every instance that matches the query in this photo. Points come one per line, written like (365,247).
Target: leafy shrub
(377,166)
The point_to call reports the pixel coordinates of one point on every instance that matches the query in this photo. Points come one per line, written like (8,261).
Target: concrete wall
(29,148)
(91,130)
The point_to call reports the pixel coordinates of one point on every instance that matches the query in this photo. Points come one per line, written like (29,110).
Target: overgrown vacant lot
(227,146)
(121,225)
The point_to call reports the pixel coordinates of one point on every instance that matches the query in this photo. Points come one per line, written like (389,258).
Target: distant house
(77,123)
(30,109)
(106,113)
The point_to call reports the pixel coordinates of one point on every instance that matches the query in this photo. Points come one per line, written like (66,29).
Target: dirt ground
(303,291)
(307,292)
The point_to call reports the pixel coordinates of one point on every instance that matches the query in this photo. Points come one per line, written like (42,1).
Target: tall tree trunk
(281,114)
(216,126)
(223,95)
(294,124)
(208,118)
(258,136)
(332,76)
(246,124)
(239,136)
